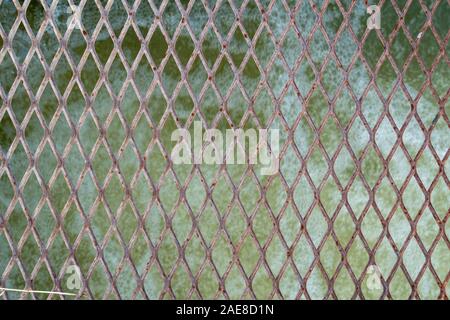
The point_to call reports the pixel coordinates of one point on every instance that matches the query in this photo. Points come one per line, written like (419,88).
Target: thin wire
(3,290)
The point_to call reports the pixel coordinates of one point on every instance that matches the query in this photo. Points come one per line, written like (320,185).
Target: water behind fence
(91,92)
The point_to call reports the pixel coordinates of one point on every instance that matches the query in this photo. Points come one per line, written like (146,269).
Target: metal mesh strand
(208,276)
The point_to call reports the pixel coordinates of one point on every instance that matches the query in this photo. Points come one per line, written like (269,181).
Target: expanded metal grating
(86,177)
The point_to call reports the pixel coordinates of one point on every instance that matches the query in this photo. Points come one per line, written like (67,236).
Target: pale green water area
(171,236)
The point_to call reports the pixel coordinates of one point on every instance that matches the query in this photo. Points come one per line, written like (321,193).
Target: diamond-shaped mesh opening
(91,91)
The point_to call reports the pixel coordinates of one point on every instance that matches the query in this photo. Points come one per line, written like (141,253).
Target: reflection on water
(114,107)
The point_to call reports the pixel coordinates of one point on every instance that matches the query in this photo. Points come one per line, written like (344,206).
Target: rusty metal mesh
(14,264)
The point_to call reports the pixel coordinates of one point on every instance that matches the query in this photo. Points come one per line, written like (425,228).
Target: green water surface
(150,207)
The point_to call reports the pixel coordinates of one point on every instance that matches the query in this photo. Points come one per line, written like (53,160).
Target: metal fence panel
(92,90)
